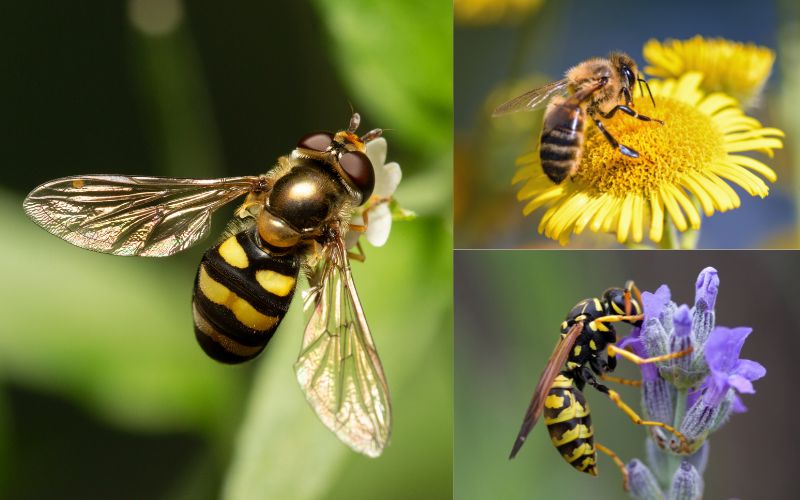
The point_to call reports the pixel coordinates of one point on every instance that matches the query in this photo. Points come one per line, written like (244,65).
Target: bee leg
(628,97)
(610,138)
(637,360)
(622,381)
(635,418)
(628,111)
(620,464)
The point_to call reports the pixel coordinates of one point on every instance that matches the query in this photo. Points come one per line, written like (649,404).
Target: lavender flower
(695,393)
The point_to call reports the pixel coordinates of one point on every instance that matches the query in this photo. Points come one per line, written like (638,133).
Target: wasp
(598,88)
(587,352)
(294,217)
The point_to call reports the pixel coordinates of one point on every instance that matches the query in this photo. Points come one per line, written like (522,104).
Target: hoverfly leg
(360,256)
(629,111)
(614,143)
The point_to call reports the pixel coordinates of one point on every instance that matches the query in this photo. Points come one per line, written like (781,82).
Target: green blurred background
(508,308)
(515,45)
(103,390)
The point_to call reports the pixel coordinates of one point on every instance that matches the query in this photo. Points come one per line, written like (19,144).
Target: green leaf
(397,59)
(283,451)
(111,333)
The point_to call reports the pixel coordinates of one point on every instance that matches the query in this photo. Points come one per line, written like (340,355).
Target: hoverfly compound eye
(316,141)
(359,169)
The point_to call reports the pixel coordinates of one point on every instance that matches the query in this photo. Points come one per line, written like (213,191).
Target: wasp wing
(533,98)
(549,374)
(129,215)
(338,367)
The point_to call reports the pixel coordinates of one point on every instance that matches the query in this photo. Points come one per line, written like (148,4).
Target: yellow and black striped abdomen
(566,415)
(240,297)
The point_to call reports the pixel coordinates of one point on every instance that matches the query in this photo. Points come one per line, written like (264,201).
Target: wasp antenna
(643,81)
(355,121)
(371,135)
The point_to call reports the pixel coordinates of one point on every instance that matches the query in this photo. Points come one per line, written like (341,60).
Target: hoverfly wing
(549,374)
(533,98)
(132,215)
(338,367)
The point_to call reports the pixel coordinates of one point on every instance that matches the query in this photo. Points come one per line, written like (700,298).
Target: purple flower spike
(642,483)
(683,321)
(707,287)
(727,370)
(686,484)
(654,303)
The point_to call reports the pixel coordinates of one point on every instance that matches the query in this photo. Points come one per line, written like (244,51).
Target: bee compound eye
(316,141)
(358,167)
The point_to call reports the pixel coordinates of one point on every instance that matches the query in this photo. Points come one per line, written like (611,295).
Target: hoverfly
(588,351)
(294,216)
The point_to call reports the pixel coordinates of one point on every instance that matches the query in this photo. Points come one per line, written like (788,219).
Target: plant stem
(674,460)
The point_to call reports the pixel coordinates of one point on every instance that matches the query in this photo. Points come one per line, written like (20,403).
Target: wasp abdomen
(566,415)
(241,294)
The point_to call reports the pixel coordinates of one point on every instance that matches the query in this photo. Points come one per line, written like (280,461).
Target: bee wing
(338,367)
(128,215)
(549,374)
(533,99)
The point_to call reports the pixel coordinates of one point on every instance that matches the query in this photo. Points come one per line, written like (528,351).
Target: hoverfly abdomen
(241,294)
(566,415)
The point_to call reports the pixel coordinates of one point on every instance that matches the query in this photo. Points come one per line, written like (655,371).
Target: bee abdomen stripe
(557,153)
(560,137)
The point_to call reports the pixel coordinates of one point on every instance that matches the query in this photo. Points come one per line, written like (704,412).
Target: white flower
(387,178)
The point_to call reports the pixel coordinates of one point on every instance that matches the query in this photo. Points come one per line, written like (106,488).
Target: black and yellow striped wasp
(294,216)
(587,352)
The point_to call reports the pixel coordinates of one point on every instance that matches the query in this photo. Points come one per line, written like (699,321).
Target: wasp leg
(617,461)
(622,381)
(638,360)
(616,318)
(635,418)
(614,143)
(629,111)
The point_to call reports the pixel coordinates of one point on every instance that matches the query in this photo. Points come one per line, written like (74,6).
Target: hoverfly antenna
(371,135)
(355,121)
(643,81)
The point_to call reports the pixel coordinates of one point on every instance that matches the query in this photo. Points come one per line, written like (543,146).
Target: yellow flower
(740,70)
(478,12)
(686,163)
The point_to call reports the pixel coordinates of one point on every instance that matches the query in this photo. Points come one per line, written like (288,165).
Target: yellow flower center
(688,140)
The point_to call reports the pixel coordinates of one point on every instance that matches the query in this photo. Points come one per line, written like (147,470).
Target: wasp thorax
(304,198)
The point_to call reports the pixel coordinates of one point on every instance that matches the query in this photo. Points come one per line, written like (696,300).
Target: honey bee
(294,216)
(598,88)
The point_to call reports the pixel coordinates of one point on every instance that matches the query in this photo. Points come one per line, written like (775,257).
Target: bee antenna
(371,135)
(355,121)
(643,81)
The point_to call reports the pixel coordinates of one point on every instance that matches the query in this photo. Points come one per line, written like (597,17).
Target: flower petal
(723,347)
(387,179)
(380,224)
(751,370)
(376,151)
(741,384)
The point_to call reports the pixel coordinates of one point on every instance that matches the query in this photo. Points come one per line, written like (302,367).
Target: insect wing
(128,215)
(549,374)
(338,367)
(533,98)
